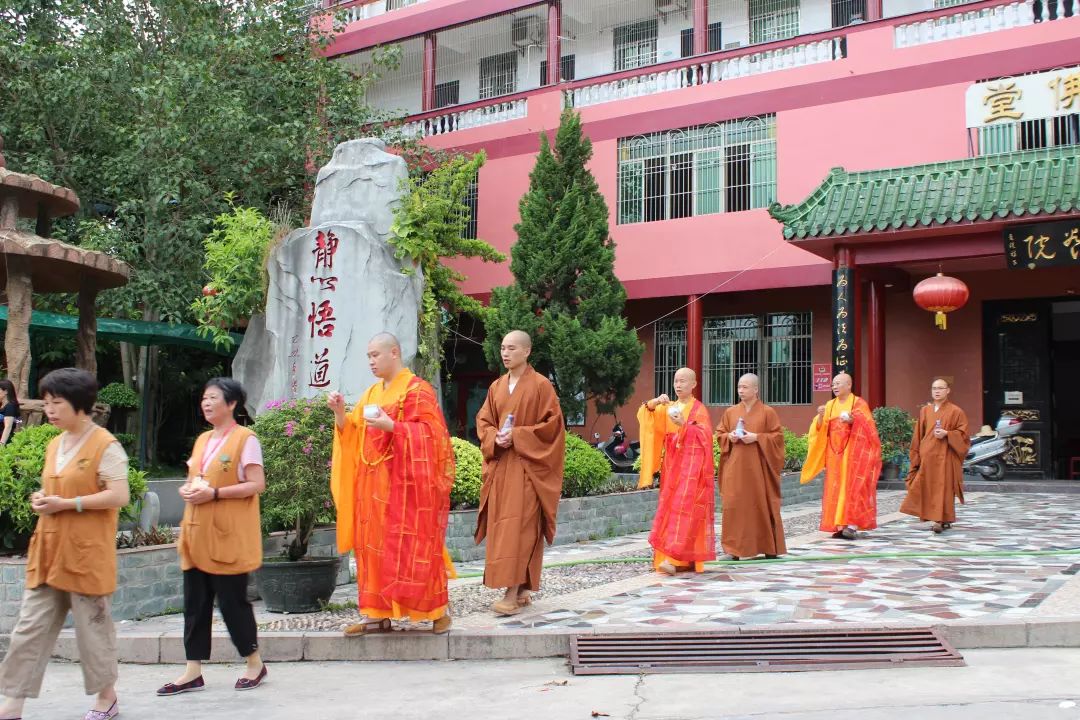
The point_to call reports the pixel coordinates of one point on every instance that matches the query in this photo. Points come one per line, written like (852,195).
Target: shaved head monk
(844,442)
(523,440)
(391,474)
(751,463)
(676,439)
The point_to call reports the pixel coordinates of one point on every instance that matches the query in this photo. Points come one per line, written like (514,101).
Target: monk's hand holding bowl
(676,416)
(382,422)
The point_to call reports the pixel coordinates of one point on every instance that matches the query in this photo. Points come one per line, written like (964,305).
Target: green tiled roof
(982,188)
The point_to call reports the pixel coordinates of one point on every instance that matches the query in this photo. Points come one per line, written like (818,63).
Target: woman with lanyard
(220,537)
(71,562)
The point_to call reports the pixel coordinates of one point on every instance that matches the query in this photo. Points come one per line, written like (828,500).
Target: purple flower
(307,449)
(322,428)
(292,404)
(326,504)
(290,428)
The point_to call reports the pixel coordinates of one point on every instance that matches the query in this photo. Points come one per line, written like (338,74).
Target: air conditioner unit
(525,31)
(667,6)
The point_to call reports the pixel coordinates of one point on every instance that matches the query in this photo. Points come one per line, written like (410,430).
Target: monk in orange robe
(523,440)
(844,442)
(938,448)
(392,470)
(676,439)
(751,463)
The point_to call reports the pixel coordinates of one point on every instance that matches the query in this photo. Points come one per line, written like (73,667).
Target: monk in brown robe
(523,439)
(751,461)
(676,439)
(938,448)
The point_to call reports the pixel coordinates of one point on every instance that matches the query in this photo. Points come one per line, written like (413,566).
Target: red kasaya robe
(683,531)
(850,454)
(937,466)
(392,492)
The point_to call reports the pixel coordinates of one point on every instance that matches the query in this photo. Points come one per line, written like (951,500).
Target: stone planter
(297,587)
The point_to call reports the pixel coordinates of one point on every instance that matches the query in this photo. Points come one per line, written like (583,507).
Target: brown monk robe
(751,462)
(522,475)
(938,448)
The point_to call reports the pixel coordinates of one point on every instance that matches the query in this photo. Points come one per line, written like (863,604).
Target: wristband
(78,504)
(215,493)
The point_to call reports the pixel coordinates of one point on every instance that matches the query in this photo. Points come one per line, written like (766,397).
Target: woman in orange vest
(220,538)
(71,562)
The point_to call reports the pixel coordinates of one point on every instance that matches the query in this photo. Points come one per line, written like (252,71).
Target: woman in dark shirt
(9,410)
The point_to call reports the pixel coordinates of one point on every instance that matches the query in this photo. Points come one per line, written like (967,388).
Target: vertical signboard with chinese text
(843,332)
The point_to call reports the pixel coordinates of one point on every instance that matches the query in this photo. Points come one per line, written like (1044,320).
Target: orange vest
(221,537)
(73,551)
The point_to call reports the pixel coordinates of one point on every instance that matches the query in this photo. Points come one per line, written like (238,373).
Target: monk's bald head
(514,350)
(384,356)
(685,382)
(841,385)
(749,387)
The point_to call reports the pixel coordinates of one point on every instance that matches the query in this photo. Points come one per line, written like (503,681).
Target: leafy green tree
(565,292)
(429,228)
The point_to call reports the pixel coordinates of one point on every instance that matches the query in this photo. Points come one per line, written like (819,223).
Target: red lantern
(940,294)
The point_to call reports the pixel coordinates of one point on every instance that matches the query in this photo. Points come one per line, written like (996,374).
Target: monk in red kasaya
(844,442)
(676,439)
(392,470)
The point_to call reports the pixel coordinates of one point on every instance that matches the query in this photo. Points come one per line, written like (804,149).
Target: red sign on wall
(822,377)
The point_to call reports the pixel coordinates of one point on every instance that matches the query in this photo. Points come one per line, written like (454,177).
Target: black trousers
(200,589)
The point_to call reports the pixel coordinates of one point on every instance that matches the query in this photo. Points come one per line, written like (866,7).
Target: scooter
(986,453)
(620,453)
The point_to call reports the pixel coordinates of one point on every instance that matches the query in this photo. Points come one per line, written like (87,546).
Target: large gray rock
(333,286)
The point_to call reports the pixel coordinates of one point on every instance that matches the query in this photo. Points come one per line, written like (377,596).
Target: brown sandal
(524,600)
(369,628)
(505,607)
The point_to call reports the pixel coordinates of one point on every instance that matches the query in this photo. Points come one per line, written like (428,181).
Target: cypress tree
(565,292)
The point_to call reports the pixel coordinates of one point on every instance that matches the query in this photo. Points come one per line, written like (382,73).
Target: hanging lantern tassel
(940,295)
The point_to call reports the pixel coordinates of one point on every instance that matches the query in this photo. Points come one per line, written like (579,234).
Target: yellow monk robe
(850,454)
(392,492)
(683,531)
(937,466)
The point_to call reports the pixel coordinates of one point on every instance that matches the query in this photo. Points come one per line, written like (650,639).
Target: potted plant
(895,428)
(297,441)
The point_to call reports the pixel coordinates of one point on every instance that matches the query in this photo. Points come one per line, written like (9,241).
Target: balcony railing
(706,72)
(453,120)
(364,10)
(963,23)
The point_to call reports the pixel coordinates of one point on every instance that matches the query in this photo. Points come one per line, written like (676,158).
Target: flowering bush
(297,438)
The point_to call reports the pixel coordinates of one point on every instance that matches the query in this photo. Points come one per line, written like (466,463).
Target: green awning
(137,332)
(1034,182)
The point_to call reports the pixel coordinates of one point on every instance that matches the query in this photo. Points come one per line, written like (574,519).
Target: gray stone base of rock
(496,644)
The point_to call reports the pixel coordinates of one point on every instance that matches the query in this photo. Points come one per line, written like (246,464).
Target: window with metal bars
(472,200)
(447,93)
(772,20)
(635,45)
(776,347)
(566,69)
(669,354)
(723,167)
(1026,135)
(845,12)
(498,75)
(715,39)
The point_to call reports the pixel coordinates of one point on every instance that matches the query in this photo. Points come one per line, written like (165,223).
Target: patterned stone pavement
(908,589)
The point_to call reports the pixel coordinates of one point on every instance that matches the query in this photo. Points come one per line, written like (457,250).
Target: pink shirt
(251,454)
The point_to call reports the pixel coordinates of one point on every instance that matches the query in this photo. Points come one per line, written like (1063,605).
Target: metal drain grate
(759,651)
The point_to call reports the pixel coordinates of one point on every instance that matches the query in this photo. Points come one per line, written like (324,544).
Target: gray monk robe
(522,484)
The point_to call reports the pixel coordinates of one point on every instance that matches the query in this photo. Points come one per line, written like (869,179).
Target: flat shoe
(245,684)
(369,628)
(848,534)
(667,567)
(112,712)
(938,528)
(174,689)
(504,607)
(441,625)
(524,600)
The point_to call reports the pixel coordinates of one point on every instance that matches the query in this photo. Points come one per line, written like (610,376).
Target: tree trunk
(86,339)
(20,291)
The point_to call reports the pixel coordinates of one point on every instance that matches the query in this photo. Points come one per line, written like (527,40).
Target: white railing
(971,22)
(464,119)
(702,73)
(365,11)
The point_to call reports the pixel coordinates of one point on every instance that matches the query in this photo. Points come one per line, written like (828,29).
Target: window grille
(788,376)
(472,200)
(715,36)
(669,354)
(635,45)
(845,12)
(776,347)
(772,20)
(1025,135)
(566,69)
(498,75)
(723,167)
(731,346)
(447,93)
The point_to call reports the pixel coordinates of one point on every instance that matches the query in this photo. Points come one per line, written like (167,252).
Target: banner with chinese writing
(1051,244)
(843,333)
